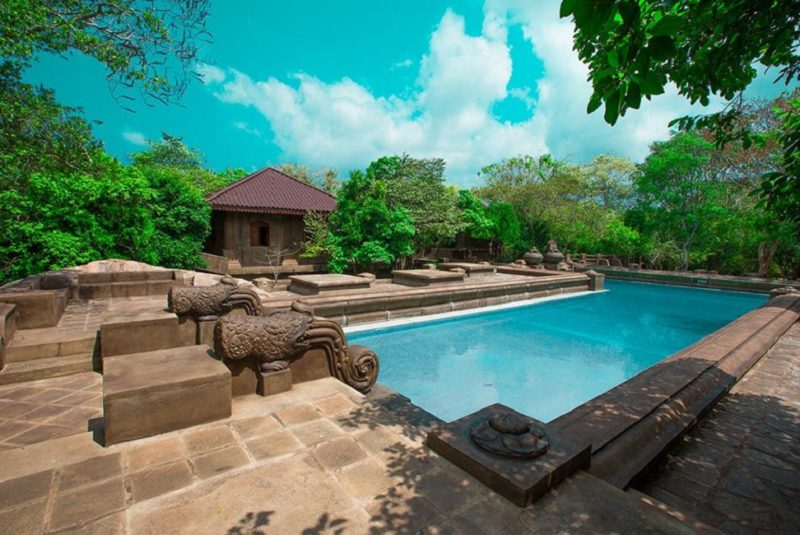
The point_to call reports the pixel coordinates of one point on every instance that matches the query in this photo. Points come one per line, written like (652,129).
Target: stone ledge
(632,425)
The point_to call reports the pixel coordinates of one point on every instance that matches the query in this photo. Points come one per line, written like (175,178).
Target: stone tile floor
(320,458)
(37,411)
(739,469)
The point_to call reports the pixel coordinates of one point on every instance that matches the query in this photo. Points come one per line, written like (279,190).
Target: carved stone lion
(210,302)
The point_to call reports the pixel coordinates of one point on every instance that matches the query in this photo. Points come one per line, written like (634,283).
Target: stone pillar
(596,280)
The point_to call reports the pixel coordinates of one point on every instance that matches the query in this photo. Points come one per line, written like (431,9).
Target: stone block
(521,480)
(146,394)
(245,379)
(37,308)
(596,280)
(424,277)
(316,284)
(126,337)
(312,365)
(275,382)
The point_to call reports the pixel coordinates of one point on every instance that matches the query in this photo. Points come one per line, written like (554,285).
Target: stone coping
(632,425)
(425,277)
(385,305)
(469,267)
(700,280)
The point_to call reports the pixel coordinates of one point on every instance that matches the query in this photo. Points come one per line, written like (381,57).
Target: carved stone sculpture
(784,290)
(210,302)
(510,435)
(553,256)
(278,339)
(533,257)
(274,340)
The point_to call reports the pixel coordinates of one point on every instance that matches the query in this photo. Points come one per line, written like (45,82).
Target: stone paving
(320,458)
(42,410)
(739,469)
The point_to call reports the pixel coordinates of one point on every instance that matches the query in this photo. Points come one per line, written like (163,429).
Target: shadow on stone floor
(738,470)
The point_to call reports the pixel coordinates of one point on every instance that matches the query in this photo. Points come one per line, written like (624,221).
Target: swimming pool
(545,359)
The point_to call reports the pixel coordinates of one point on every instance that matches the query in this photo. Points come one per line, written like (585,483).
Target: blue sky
(337,84)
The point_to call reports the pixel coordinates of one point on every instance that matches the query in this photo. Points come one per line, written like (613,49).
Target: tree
(64,219)
(634,48)
(149,44)
(418,185)
(39,135)
(365,233)
(322,177)
(610,180)
(507,229)
(676,184)
(474,215)
(171,153)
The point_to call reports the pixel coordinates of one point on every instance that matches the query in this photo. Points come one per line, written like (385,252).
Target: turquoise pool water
(545,359)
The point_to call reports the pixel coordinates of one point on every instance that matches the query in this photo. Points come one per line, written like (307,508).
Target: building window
(259,235)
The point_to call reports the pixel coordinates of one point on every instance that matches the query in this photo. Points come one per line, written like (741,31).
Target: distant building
(262,210)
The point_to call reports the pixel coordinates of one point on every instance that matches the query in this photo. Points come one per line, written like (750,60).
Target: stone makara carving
(276,340)
(510,435)
(210,302)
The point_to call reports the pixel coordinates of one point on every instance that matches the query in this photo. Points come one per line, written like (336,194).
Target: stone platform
(470,268)
(424,277)
(317,284)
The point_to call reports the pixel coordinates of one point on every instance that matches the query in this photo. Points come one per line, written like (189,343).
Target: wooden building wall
(231,235)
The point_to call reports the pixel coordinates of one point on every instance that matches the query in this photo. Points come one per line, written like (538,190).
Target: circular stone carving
(510,435)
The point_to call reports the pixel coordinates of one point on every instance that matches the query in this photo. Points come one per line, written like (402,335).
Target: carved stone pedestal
(511,453)
(596,280)
(275,382)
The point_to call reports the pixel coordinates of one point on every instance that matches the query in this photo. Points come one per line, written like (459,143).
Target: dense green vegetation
(63,200)
(722,193)
(633,48)
(692,204)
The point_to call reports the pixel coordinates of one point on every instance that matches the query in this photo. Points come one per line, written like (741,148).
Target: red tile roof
(271,191)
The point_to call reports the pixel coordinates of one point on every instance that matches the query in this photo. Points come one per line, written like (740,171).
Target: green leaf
(612,107)
(661,47)
(594,103)
(613,58)
(567,8)
(629,11)
(634,96)
(667,25)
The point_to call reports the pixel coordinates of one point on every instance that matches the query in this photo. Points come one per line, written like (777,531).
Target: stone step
(125,276)
(32,370)
(105,290)
(48,343)
(156,392)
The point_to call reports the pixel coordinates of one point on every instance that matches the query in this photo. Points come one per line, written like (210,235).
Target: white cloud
(403,64)
(344,125)
(245,127)
(209,74)
(137,138)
